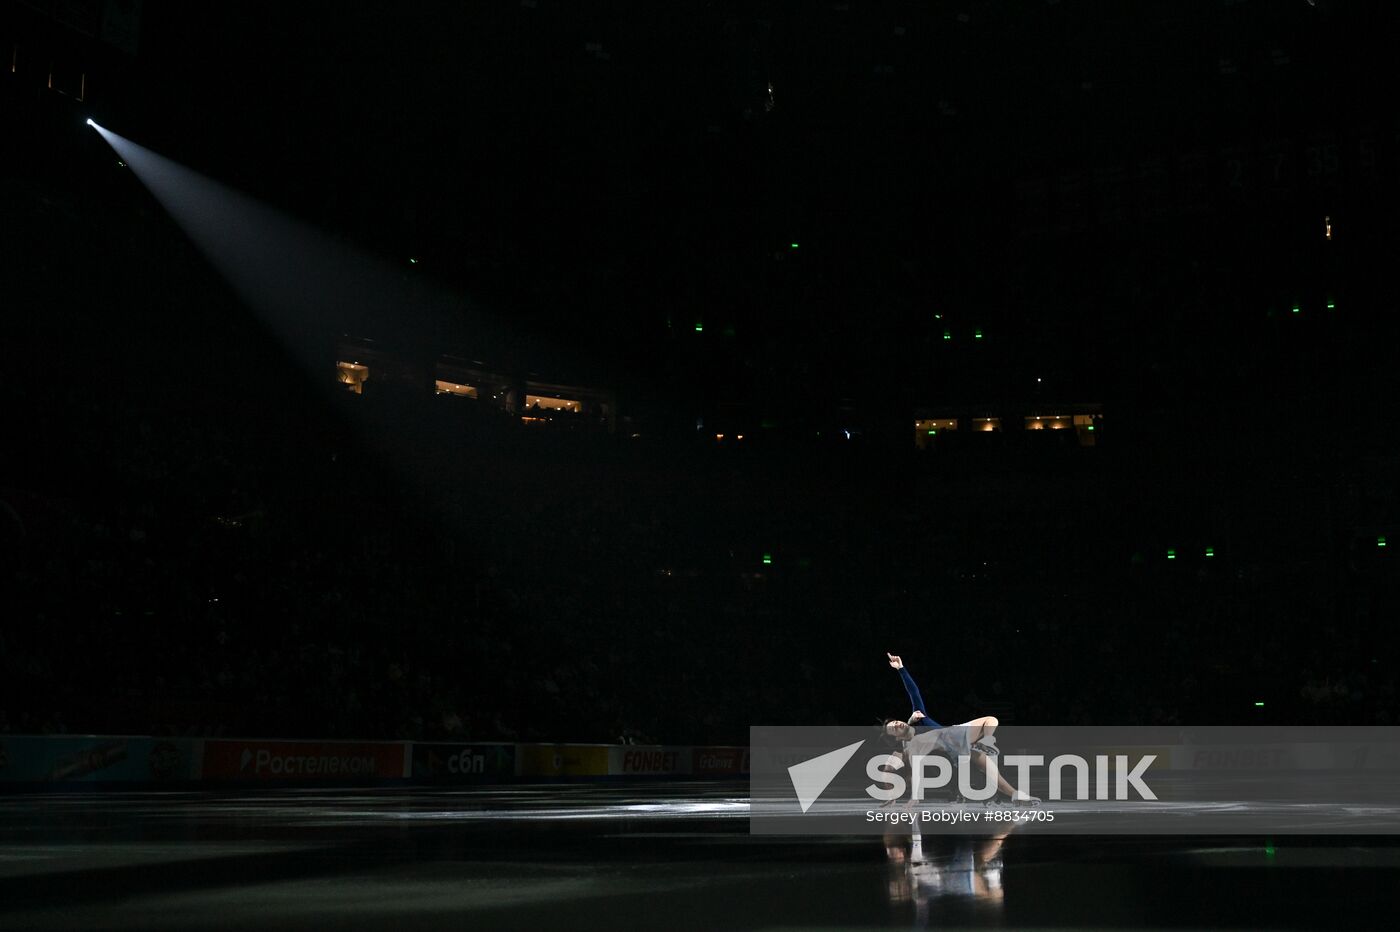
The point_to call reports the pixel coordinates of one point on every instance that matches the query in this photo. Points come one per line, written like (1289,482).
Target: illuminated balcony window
(455,388)
(553,404)
(936,423)
(1047,422)
(352,375)
(986,424)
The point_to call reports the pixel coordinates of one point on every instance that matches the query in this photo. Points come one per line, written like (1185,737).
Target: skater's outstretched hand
(895,662)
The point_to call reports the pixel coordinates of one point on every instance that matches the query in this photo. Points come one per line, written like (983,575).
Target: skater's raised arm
(920,715)
(909,685)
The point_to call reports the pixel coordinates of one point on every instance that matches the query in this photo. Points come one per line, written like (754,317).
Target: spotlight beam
(303,284)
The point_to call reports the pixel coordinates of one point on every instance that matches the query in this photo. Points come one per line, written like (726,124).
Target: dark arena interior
(437,433)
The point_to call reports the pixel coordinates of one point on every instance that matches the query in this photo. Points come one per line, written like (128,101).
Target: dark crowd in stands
(567,588)
(201,539)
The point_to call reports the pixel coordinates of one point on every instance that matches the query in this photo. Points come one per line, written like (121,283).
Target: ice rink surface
(638,856)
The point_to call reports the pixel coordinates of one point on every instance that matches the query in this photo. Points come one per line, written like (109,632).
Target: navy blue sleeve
(917,700)
(913,690)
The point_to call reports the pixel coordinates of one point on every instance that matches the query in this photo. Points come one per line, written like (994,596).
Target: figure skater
(973,740)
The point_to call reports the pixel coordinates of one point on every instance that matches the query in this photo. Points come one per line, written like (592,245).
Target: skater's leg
(979,760)
(980,728)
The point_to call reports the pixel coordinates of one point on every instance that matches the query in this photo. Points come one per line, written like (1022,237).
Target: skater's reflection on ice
(926,869)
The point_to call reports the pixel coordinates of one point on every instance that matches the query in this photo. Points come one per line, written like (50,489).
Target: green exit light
(1210,551)
(977,335)
(932,432)
(412,261)
(1331,305)
(1297,309)
(699,327)
(796,245)
(1259,705)
(1380,541)
(947,334)
(767,558)
(1091,426)
(1171,554)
